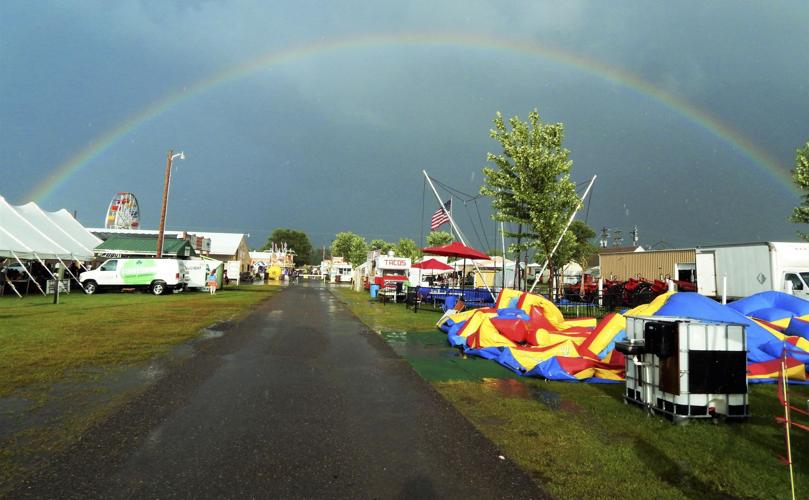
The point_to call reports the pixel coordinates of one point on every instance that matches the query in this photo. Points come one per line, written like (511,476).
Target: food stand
(390,273)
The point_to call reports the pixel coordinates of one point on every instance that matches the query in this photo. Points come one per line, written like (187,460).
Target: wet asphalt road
(298,400)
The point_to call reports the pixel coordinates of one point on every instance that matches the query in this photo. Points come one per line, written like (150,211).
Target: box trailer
(753,267)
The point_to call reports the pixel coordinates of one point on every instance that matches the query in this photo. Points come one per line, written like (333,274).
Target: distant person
(212,282)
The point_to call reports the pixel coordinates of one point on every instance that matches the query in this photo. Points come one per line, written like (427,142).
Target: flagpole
(450,214)
(458,231)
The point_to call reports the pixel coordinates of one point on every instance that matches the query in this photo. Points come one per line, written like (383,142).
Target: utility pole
(162,228)
(605,237)
(617,237)
(160,234)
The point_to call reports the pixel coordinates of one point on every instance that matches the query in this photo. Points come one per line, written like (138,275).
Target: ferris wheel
(123,212)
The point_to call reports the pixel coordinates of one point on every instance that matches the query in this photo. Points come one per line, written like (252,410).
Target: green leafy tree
(408,248)
(297,241)
(800,174)
(438,238)
(381,245)
(530,183)
(352,247)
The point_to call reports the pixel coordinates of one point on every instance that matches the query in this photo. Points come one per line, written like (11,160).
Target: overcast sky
(333,140)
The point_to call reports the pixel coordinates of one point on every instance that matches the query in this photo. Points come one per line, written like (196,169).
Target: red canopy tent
(459,250)
(455,249)
(432,265)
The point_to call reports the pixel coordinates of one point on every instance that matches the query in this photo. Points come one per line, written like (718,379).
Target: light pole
(169,160)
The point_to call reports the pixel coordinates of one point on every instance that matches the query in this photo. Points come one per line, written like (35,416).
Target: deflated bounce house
(529,335)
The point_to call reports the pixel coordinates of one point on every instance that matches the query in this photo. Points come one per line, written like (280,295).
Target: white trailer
(753,267)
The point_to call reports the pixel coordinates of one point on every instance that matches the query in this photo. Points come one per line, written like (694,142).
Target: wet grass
(42,343)
(61,366)
(582,441)
(386,316)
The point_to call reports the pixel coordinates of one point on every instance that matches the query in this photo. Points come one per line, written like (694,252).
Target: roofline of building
(751,243)
(651,251)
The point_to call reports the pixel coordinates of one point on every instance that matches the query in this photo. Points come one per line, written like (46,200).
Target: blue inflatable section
(512,313)
(798,327)
(769,302)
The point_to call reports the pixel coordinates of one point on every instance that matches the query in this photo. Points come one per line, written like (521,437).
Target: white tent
(70,225)
(29,233)
(10,246)
(30,236)
(38,218)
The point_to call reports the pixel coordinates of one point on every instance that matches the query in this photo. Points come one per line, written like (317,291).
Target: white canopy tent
(29,233)
(70,225)
(37,217)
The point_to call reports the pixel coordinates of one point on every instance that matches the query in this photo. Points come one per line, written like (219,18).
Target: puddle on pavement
(13,404)
(152,372)
(207,333)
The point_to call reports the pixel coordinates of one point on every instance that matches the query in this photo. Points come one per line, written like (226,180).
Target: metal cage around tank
(686,368)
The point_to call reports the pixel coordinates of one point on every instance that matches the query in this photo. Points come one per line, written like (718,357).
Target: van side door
(108,273)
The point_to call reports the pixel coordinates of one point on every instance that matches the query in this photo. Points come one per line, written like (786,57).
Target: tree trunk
(525,274)
(551,274)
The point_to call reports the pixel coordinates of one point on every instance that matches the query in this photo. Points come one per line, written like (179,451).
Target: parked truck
(753,267)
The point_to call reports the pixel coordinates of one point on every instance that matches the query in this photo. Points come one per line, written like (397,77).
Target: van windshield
(805,277)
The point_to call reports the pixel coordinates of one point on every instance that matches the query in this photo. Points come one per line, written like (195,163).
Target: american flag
(440,216)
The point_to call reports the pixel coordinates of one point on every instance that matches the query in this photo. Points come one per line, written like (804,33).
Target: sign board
(383,262)
(233,268)
(64,286)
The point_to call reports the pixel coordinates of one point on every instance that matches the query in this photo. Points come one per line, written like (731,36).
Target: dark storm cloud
(336,140)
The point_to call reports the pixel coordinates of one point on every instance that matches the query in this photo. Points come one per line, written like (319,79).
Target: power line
(460,194)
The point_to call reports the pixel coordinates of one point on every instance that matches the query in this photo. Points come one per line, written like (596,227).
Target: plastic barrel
(374,291)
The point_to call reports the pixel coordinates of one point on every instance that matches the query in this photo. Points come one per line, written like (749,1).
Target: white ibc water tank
(686,368)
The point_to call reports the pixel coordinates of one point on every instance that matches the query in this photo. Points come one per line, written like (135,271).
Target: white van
(153,275)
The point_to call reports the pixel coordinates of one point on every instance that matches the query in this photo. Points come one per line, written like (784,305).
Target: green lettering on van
(138,271)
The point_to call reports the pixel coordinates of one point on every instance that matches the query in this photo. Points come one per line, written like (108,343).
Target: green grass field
(65,367)
(42,343)
(582,441)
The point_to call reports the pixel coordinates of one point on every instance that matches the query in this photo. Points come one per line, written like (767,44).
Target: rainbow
(758,156)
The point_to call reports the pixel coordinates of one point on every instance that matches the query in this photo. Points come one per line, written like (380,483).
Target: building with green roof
(144,246)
